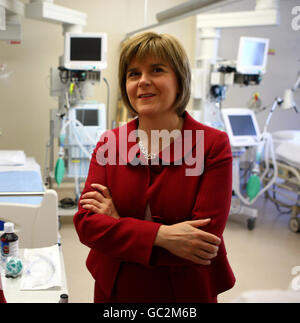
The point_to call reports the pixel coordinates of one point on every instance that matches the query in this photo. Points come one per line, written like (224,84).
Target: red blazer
(173,197)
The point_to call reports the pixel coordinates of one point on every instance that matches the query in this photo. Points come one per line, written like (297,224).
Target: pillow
(286,134)
(12,158)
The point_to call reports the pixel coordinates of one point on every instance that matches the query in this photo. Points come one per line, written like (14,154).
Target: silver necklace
(145,152)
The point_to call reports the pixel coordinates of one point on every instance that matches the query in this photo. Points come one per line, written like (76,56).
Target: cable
(278,207)
(63,75)
(108,98)
(236,169)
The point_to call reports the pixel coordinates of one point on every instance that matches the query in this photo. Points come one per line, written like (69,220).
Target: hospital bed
(33,209)
(285,193)
(26,202)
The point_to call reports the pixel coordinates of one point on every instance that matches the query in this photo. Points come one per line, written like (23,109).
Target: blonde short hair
(161,46)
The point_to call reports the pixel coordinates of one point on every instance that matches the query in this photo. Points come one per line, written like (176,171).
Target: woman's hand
(99,201)
(185,240)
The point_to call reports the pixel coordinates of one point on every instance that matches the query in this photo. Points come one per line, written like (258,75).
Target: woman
(154,223)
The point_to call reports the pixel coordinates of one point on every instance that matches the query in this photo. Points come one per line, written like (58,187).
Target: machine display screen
(242,125)
(253,53)
(85,49)
(87,117)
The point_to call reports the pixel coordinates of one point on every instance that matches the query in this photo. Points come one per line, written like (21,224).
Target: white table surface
(13,294)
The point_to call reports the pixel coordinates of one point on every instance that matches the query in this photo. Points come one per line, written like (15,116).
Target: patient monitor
(252,55)
(85,51)
(92,116)
(241,126)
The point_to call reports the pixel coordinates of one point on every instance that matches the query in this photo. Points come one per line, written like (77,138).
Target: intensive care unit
(78,122)
(265,164)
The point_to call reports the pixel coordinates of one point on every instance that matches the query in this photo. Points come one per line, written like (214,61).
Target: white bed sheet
(289,153)
(287,147)
(12,157)
(30,164)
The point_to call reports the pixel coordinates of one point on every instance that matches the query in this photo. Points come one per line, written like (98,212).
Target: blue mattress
(21,181)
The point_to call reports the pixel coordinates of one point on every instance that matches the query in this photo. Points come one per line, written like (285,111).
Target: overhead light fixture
(190,8)
(46,10)
(184,10)
(288,100)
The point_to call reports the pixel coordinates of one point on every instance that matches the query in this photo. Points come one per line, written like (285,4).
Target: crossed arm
(183,239)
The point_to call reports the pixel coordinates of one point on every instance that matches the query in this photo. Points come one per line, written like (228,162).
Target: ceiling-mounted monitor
(252,55)
(85,51)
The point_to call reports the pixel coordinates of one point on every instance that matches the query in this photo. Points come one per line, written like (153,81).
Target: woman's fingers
(99,201)
(206,236)
(100,194)
(205,255)
(208,247)
(199,260)
(92,208)
(93,195)
(210,238)
(186,240)
(199,223)
(91,202)
(103,189)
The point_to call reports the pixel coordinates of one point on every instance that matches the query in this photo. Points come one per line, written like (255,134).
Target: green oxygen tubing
(265,150)
(254,183)
(60,164)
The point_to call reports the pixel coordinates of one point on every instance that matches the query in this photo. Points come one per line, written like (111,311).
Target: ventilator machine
(255,165)
(78,123)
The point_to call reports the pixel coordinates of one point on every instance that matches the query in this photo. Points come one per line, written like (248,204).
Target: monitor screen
(87,117)
(242,125)
(252,55)
(85,49)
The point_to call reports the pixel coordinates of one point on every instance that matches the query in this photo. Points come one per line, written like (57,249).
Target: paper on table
(41,269)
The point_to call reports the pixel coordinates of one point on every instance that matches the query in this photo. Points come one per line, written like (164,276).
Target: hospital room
(150,152)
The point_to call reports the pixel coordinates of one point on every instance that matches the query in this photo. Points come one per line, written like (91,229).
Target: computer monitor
(85,51)
(241,126)
(93,118)
(252,55)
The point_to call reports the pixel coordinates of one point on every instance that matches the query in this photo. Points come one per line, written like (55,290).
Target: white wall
(24,97)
